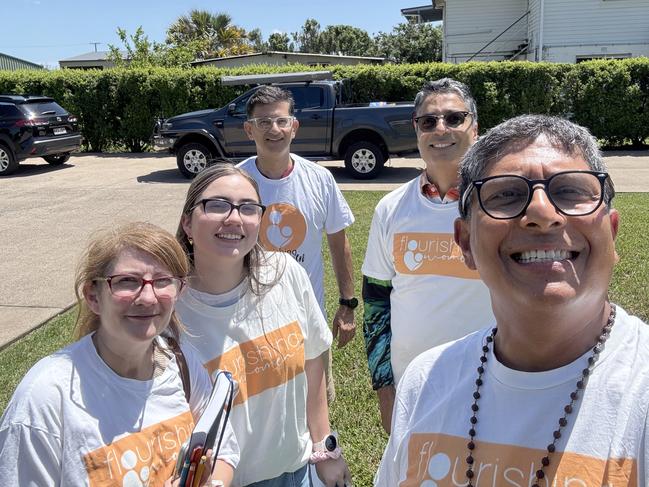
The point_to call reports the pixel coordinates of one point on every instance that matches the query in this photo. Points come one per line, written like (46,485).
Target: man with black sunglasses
(418,292)
(556,393)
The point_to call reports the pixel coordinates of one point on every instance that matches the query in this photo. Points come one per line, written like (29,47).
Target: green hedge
(118,107)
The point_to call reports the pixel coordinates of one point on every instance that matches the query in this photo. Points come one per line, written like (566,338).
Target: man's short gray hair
(520,132)
(447,85)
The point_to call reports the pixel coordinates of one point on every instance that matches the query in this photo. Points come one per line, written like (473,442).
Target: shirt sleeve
(377,331)
(200,382)
(339,214)
(29,456)
(378,261)
(318,336)
(393,464)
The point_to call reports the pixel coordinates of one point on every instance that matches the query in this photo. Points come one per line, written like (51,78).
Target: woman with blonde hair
(254,313)
(112,408)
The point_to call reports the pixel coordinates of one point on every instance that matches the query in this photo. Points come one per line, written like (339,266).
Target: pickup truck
(364,135)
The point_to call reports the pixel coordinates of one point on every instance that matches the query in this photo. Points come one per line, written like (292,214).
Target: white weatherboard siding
(470,24)
(576,29)
(533,26)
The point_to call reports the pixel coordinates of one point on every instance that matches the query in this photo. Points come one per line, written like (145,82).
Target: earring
(191,241)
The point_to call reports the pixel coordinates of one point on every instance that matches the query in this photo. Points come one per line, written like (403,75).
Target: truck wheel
(57,159)
(192,159)
(8,163)
(364,160)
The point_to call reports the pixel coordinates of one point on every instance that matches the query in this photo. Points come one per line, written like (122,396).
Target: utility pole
(95,44)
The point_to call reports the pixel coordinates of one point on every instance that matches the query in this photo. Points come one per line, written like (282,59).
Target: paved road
(47,214)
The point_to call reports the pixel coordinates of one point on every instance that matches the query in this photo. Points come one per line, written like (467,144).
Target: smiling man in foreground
(557,392)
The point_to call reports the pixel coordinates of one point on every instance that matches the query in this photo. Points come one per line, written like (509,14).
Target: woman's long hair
(254,260)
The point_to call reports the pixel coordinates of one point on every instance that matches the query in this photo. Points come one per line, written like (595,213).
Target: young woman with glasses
(111,408)
(254,314)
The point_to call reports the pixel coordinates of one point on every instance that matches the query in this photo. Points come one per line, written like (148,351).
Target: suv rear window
(7,110)
(43,108)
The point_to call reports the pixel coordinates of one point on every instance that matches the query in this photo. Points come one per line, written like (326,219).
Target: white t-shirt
(603,444)
(73,421)
(264,342)
(435,297)
(300,207)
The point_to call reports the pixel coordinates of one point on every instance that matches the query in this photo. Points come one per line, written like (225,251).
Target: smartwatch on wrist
(350,303)
(329,444)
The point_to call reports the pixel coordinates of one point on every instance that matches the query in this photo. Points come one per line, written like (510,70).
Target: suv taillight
(34,122)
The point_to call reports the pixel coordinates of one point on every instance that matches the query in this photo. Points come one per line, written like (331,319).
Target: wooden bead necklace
(563,421)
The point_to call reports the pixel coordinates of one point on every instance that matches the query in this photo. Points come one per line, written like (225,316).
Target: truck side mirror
(231,108)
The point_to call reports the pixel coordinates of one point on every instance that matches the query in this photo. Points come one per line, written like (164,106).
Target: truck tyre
(364,160)
(8,164)
(192,159)
(57,159)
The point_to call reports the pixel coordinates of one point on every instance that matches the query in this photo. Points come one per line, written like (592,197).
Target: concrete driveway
(47,214)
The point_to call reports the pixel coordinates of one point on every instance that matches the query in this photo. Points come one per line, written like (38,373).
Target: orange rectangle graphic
(438,459)
(429,254)
(146,457)
(263,362)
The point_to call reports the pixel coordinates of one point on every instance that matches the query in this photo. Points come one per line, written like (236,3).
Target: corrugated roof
(295,54)
(92,56)
(12,63)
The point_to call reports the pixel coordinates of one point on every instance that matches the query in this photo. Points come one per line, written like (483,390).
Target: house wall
(470,24)
(534,6)
(595,28)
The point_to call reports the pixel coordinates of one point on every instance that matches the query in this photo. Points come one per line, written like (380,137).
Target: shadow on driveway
(166,176)
(26,169)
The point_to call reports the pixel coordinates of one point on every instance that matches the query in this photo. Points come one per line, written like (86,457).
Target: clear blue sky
(45,31)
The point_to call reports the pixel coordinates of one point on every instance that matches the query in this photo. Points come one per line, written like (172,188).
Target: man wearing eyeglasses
(417,291)
(303,202)
(556,392)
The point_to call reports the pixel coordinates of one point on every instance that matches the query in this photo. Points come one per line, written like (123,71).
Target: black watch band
(350,303)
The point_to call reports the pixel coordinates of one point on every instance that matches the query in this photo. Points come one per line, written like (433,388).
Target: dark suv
(35,126)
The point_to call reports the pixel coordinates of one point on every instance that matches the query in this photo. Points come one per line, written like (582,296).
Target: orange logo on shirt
(283,228)
(264,362)
(145,458)
(429,254)
(437,460)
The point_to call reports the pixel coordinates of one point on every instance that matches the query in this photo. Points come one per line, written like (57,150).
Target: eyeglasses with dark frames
(572,193)
(452,120)
(127,286)
(266,123)
(221,208)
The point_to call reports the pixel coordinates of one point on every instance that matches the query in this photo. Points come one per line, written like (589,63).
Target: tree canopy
(201,34)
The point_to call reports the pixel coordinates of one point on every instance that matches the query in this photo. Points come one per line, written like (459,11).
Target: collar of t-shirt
(220,300)
(430,191)
(286,172)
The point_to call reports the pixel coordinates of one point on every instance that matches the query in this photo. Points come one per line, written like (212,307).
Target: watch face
(351,303)
(331,443)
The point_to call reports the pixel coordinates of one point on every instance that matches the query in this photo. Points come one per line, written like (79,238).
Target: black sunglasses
(452,120)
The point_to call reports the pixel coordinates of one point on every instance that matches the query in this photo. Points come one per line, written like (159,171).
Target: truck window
(240,108)
(307,96)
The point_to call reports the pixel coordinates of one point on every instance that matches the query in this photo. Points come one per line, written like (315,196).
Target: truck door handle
(219,124)
(315,116)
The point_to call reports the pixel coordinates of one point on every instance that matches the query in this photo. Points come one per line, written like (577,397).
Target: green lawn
(355,412)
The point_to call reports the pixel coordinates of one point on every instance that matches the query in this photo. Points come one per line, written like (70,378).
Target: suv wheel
(364,160)
(8,162)
(192,159)
(57,159)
